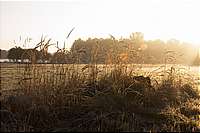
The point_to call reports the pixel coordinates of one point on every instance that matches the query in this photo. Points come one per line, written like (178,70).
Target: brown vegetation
(113,101)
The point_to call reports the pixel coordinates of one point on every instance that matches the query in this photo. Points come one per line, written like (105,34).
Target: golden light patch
(123,56)
(143,46)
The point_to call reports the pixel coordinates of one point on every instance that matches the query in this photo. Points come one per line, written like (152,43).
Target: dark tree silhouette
(15,54)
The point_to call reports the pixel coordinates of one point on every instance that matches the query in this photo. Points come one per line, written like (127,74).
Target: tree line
(110,51)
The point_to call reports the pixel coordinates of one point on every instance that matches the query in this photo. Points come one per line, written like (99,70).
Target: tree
(4,54)
(61,58)
(15,54)
(137,38)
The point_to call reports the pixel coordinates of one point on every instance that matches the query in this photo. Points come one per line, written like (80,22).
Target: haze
(157,19)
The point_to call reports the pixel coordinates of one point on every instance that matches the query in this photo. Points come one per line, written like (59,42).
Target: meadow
(107,76)
(91,97)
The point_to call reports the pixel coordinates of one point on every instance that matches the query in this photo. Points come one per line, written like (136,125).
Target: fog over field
(100,66)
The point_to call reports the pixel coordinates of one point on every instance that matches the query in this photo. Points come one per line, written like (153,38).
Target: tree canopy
(111,50)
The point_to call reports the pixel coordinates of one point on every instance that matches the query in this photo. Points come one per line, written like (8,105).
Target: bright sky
(157,19)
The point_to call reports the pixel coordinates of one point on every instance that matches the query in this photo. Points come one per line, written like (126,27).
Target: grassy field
(56,97)
(12,74)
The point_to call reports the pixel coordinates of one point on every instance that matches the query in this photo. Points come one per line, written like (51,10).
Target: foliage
(15,53)
(113,51)
(75,97)
(67,99)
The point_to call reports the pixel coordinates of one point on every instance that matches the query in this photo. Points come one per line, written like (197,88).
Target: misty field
(100,66)
(13,74)
(91,97)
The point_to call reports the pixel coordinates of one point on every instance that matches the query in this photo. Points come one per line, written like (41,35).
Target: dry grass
(81,98)
(93,97)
